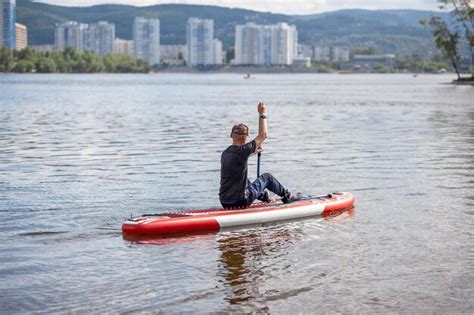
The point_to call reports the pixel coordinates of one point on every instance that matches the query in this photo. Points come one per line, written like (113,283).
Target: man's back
(234,178)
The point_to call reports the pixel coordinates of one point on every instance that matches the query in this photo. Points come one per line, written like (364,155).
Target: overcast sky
(276,6)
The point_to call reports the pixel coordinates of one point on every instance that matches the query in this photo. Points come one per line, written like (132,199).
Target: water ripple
(75,163)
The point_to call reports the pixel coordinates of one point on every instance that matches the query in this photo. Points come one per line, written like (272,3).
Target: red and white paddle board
(208,220)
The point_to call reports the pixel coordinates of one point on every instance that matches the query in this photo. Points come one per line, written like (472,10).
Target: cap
(240,129)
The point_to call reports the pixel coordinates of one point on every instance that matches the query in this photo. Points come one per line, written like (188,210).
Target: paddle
(258,164)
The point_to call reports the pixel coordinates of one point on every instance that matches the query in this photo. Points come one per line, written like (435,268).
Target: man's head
(239,132)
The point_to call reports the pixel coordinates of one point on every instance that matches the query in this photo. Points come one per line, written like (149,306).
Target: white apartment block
(265,44)
(287,43)
(200,42)
(71,34)
(123,47)
(21,37)
(217,49)
(100,38)
(249,44)
(146,39)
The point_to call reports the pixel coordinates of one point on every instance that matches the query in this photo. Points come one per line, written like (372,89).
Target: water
(80,153)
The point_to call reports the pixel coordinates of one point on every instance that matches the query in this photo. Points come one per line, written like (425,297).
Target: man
(235,188)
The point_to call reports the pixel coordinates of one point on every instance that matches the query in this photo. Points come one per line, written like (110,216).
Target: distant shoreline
(247,72)
(277,70)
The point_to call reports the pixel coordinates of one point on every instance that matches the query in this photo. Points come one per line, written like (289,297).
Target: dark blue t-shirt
(234,179)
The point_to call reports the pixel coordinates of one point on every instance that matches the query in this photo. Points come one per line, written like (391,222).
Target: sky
(275,6)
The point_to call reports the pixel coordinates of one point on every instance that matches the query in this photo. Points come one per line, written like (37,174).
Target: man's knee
(267,176)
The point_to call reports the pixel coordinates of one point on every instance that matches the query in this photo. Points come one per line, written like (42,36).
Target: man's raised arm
(262,125)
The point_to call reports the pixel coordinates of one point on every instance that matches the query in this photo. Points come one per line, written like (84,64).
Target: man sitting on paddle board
(235,188)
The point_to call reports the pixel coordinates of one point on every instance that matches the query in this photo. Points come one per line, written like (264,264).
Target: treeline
(401,64)
(68,61)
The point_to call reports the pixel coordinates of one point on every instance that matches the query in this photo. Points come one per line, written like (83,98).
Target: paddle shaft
(258,163)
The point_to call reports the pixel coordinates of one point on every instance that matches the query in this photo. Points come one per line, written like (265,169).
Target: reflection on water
(249,257)
(80,153)
(240,267)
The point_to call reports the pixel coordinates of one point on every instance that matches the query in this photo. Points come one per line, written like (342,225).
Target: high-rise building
(217,51)
(7,23)
(124,47)
(265,44)
(71,34)
(200,42)
(100,38)
(248,44)
(146,39)
(21,34)
(286,48)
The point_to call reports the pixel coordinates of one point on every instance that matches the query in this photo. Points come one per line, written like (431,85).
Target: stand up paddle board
(209,220)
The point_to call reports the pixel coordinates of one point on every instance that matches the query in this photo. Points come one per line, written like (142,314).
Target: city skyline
(274,6)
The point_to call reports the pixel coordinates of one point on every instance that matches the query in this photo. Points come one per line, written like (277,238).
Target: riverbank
(464,81)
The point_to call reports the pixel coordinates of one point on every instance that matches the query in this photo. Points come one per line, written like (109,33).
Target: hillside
(388,30)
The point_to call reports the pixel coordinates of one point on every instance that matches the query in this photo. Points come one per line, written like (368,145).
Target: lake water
(80,153)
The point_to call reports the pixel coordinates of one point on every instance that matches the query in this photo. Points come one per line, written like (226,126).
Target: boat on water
(216,219)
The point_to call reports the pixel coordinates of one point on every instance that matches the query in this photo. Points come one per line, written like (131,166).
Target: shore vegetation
(68,61)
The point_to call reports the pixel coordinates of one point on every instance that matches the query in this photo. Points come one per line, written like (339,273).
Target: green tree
(463,11)
(26,54)
(446,40)
(24,66)
(62,65)
(110,63)
(405,63)
(124,64)
(45,65)
(381,69)
(143,66)
(322,67)
(230,54)
(70,57)
(430,66)
(93,62)
(7,59)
